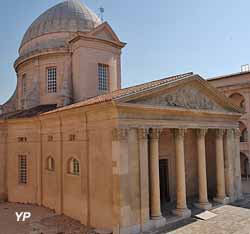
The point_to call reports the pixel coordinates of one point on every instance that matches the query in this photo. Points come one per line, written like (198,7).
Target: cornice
(37,53)
(118,45)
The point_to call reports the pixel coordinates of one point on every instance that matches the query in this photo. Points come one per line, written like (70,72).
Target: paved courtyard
(233,219)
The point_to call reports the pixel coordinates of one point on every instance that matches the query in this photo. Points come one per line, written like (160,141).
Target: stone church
(124,160)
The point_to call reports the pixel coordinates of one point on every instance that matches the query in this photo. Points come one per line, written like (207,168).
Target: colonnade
(224,179)
(226,141)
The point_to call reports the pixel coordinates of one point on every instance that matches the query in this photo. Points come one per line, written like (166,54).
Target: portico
(149,156)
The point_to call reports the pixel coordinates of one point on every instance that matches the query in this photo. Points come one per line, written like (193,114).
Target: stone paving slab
(230,219)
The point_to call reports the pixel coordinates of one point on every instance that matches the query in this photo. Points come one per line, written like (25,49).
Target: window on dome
(24,84)
(103,77)
(51,80)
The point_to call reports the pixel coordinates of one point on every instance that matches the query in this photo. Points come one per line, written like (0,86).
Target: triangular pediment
(104,32)
(193,94)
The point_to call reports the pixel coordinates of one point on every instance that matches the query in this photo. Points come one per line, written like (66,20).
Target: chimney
(245,68)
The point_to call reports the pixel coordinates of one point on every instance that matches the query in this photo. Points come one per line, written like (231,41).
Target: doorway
(164,182)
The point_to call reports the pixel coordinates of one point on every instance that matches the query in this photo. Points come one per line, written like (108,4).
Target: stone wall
(85,59)
(3,157)
(85,197)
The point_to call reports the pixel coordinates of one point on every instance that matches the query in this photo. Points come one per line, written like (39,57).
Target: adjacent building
(72,140)
(237,88)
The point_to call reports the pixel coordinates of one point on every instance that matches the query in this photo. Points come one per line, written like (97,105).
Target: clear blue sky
(165,37)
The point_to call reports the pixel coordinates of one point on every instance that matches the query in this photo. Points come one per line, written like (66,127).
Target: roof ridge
(159,80)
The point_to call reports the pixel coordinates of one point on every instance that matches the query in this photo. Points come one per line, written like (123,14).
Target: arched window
(243,104)
(74,166)
(238,100)
(50,164)
(244,162)
(244,136)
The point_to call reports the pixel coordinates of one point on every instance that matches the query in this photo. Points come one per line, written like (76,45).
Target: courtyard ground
(230,219)
(42,221)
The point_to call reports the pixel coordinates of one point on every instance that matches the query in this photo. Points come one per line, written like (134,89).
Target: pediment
(104,32)
(192,96)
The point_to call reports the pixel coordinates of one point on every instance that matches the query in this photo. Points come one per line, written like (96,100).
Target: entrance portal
(164,182)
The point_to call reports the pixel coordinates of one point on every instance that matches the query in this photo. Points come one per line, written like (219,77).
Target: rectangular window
(50,138)
(22,139)
(51,80)
(103,76)
(72,137)
(22,166)
(24,85)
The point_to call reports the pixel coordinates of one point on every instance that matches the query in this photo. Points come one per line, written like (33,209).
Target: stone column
(237,168)
(220,172)
(202,174)
(155,201)
(144,177)
(181,207)
(120,158)
(229,168)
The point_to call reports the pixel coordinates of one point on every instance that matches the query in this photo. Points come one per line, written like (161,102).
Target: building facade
(72,140)
(237,88)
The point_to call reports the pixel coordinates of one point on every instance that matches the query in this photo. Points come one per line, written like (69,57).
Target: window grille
(74,166)
(103,76)
(22,169)
(51,80)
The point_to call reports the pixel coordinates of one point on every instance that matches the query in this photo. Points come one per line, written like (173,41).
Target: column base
(158,222)
(156,217)
(240,196)
(203,205)
(224,201)
(185,213)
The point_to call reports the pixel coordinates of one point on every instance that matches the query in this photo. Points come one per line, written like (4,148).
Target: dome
(68,16)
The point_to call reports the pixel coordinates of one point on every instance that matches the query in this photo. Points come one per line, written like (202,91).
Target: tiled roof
(227,76)
(29,113)
(126,91)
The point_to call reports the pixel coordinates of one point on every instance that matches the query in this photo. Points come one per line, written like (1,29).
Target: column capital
(201,132)
(220,132)
(230,132)
(142,133)
(179,132)
(119,134)
(237,132)
(154,133)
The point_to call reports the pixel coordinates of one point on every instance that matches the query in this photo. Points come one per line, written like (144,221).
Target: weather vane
(101,12)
